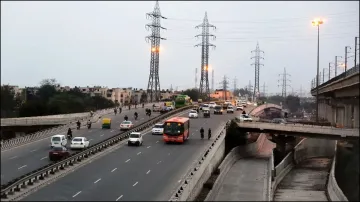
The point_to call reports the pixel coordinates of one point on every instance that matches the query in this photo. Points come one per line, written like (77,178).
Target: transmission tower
(235,80)
(257,65)
(264,90)
(212,80)
(204,90)
(155,26)
(196,78)
(225,86)
(284,82)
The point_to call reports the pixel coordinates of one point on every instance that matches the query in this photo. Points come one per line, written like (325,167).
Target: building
(220,94)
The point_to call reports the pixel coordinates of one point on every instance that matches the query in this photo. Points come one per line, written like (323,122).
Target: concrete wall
(233,156)
(309,148)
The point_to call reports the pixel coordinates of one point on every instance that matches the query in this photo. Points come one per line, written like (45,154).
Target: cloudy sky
(103,43)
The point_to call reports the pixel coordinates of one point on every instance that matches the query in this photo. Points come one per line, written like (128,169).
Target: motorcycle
(78,127)
(89,125)
(135,117)
(209,135)
(202,135)
(69,137)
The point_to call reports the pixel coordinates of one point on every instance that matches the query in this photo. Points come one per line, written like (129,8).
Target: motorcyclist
(129,106)
(91,113)
(78,124)
(126,117)
(143,105)
(69,133)
(136,115)
(244,112)
(120,109)
(115,111)
(202,132)
(209,133)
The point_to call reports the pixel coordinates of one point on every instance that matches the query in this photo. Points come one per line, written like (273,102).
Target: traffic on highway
(148,171)
(23,159)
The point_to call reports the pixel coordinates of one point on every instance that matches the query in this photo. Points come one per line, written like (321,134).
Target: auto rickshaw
(106,123)
(206,113)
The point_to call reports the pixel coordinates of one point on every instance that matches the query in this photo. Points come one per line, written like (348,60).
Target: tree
(292,103)
(7,101)
(192,93)
(47,89)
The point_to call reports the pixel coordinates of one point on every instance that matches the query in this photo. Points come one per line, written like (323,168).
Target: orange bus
(176,129)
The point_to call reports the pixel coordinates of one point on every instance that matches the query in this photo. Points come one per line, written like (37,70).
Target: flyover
(313,131)
(339,99)
(257,111)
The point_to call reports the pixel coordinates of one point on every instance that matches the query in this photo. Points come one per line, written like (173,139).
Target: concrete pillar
(356,116)
(348,116)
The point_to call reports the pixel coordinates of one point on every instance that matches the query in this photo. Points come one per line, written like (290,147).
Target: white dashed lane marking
(148,172)
(76,194)
(22,167)
(148,147)
(119,198)
(97,180)
(113,169)
(127,160)
(135,184)
(43,158)
(33,150)
(101,135)
(159,162)
(138,153)
(13,157)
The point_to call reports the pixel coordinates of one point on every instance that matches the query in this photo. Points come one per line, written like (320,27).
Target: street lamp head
(317,22)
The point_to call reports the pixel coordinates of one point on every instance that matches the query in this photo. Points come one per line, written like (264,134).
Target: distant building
(220,94)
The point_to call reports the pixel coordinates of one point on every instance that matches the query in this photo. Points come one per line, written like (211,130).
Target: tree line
(47,100)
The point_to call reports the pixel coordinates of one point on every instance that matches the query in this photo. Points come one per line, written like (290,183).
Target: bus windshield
(173,128)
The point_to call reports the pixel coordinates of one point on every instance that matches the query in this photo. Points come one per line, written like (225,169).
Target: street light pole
(317,22)
(346,52)
(356,38)
(329,69)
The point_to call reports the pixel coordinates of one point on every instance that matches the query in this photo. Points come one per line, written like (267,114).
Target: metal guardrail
(28,179)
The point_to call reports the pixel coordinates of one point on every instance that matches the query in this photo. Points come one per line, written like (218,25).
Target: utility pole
(300,91)
(346,57)
(225,86)
(264,90)
(204,90)
(257,65)
(196,78)
(329,69)
(323,73)
(212,80)
(284,82)
(336,64)
(356,38)
(250,88)
(155,26)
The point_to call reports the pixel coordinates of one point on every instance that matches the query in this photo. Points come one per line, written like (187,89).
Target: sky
(103,43)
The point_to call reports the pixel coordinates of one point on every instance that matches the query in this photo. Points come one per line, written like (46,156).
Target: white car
(126,125)
(79,143)
(135,138)
(193,114)
(205,107)
(230,109)
(58,140)
(238,108)
(227,102)
(158,129)
(212,104)
(245,118)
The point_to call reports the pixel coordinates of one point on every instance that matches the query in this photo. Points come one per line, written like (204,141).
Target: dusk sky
(103,43)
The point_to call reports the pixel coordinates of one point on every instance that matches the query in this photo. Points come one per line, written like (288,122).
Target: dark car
(218,109)
(278,121)
(58,153)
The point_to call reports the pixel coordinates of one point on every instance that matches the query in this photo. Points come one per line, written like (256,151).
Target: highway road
(149,172)
(23,159)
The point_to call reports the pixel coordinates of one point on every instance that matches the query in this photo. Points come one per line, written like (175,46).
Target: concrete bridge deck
(305,182)
(326,132)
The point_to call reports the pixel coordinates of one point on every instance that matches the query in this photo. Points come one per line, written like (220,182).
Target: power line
(284,82)
(154,83)
(204,90)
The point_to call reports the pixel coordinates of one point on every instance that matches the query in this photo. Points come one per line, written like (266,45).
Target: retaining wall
(309,148)
(233,156)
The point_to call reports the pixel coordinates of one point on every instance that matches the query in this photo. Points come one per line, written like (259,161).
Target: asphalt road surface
(145,173)
(23,159)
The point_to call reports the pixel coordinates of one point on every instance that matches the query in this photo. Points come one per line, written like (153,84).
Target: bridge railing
(349,72)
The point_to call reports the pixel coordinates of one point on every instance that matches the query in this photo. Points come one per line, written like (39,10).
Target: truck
(181,101)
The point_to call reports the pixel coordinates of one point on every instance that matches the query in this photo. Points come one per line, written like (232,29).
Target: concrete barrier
(305,149)
(333,190)
(233,156)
